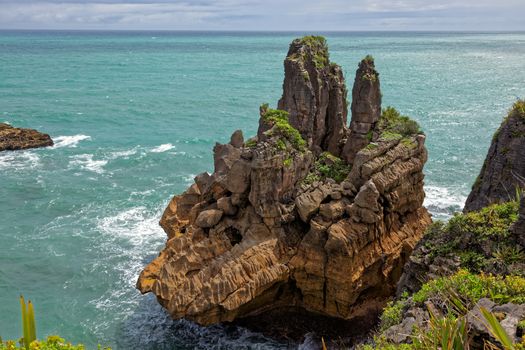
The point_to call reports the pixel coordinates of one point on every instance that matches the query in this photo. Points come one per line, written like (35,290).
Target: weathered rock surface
(366,108)
(260,235)
(314,95)
(504,167)
(17,138)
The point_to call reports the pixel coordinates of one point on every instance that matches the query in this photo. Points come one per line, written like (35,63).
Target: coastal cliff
(12,138)
(504,167)
(309,214)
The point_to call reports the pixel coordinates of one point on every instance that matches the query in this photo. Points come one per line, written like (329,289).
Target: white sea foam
(86,162)
(123,154)
(19,160)
(189,179)
(443,202)
(69,141)
(163,148)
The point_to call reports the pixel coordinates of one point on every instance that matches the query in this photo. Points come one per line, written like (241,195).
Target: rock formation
(284,221)
(314,95)
(17,138)
(504,167)
(366,108)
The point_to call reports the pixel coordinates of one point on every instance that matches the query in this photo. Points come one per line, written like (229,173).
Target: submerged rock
(504,167)
(12,138)
(280,223)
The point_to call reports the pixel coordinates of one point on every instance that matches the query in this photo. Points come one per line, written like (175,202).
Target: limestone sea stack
(300,216)
(504,168)
(12,138)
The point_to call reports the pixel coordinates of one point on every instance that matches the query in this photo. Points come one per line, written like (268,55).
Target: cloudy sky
(478,15)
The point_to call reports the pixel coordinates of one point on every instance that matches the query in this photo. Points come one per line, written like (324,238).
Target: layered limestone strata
(12,138)
(285,221)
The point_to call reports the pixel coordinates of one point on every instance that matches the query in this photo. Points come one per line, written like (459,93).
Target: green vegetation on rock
(328,166)
(281,125)
(478,238)
(393,123)
(52,342)
(319,49)
(251,143)
(454,296)
(472,287)
(519,108)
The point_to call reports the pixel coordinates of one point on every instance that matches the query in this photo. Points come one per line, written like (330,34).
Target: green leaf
(495,328)
(31,322)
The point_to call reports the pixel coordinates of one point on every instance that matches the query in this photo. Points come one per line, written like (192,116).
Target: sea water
(134,117)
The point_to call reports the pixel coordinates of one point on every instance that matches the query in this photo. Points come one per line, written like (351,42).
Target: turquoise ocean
(134,116)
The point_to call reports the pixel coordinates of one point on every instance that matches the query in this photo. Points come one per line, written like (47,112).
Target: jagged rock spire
(314,95)
(366,108)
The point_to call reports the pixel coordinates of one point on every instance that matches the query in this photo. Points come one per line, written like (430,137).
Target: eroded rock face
(504,167)
(17,138)
(262,233)
(314,95)
(366,108)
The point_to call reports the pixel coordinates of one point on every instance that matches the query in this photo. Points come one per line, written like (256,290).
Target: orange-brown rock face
(277,226)
(17,138)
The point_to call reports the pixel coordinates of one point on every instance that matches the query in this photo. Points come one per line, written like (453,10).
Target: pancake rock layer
(299,216)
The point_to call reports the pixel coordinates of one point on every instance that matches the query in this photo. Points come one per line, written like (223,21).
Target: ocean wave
(86,162)
(189,179)
(69,141)
(131,238)
(19,160)
(443,202)
(150,327)
(163,148)
(123,154)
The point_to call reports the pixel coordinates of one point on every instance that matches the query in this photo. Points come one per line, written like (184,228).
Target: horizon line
(474,31)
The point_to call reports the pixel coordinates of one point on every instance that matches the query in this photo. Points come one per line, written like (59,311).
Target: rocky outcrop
(284,224)
(366,108)
(17,138)
(504,167)
(314,95)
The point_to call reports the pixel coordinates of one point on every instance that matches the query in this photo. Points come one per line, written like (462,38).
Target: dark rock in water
(17,138)
(283,223)
(504,167)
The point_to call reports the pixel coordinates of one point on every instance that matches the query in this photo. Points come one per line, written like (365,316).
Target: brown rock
(308,203)
(17,138)
(225,204)
(208,218)
(237,139)
(314,94)
(256,237)
(366,108)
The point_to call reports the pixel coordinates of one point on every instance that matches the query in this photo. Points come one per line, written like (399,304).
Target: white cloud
(263,15)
